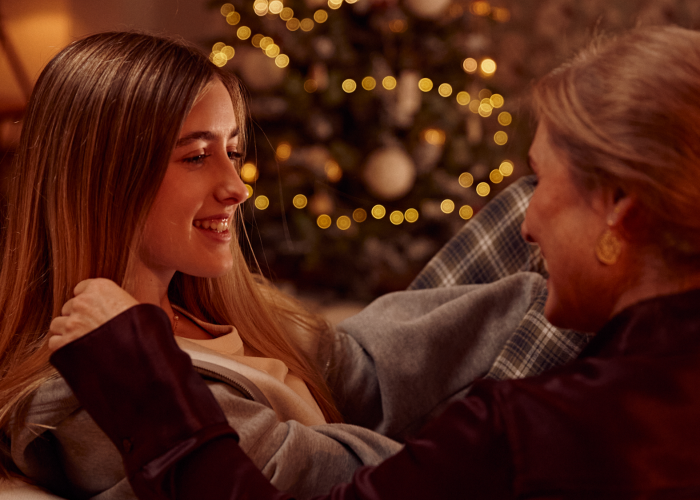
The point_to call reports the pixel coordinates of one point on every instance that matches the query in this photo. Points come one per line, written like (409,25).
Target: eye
(234,155)
(195,159)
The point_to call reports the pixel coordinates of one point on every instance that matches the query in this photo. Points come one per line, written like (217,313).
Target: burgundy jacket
(620,422)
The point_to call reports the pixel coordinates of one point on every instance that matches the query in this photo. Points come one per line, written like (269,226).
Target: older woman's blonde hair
(97,137)
(626,114)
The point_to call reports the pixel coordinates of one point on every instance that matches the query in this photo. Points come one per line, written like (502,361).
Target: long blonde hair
(626,113)
(102,121)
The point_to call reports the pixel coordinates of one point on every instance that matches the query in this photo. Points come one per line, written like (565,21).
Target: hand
(96,301)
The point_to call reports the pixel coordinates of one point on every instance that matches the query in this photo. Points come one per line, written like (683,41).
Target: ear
(622,208)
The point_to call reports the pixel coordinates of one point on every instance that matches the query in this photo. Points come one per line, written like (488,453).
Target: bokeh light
(229,52)
(360,215)
(243,32)
(272,50)
(497,100)
(480,8)
(504,118)
(233,18)
(286,14)
(466,180)
(284,151)
(226,9)
(333,171)
(447,206)
(411,215)
(260,7)
(249,172)
(320,16)
(445,90)
(466,212)
(311,86)
(264,42)
(324,221)
(496,176)
(349,85)
(488,66)
(434,136)
(368,83)
(378,211)
(306,24)
(470,65)
(343,222)
(425,84)
(217,47)
(335,4)
(485,108)
(293,24)
(250,190)
(282,61)
(396,217)
(300,201)
(389,83)
(262,202)
(500,138)
(506,168)
(463,98)
(276,6)
(483,189)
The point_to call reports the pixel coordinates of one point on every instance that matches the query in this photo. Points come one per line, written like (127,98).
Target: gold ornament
(608,248)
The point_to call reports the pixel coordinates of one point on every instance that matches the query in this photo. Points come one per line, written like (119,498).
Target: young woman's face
(189,226)
(566,222)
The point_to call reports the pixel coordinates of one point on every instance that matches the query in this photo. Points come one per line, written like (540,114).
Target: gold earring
(608,248)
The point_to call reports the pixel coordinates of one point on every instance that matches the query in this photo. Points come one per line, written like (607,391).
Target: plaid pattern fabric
(489,248)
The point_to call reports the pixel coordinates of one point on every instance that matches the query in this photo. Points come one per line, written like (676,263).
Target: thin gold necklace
(176,318)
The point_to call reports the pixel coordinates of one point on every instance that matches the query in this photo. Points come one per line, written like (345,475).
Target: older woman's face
(566,222)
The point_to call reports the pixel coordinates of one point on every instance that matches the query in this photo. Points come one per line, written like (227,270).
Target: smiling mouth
(215,225)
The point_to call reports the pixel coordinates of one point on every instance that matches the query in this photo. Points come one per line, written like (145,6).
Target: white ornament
(389,173)
(427,9)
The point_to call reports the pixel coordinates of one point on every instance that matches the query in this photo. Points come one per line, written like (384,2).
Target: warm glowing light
(217,47)
(501,15)
(505,118)
(466,212)
(425,84)
(480,8)
(233,18)
(497,100)
(284,151)
(260,7)
(249,172)
(264,42)
(466,180)
(343,222)
(488,66)
(286,14)
(411,215)
(447,206)
(262,202)
(349,86)
(324,221)
(272,50)
(219,59)
(282,61)
(250,190)
(483,189)
(445,90)
(434,136)
(311,86)
(470,65)
(496,176)
(506,168)
(396,217)
(389,83)
(256,40)
(484,94)
(500,138)
(335,4)
(306,24)
(299,201)
(474,106)
(378,211)
(243,32)
(351,1)
(333,171)
(360,215)
(229,52)
(368,83)
(226,9)
(276,6)
(463,98)
(398,25)
(320,16)
(293,24)
(485,108)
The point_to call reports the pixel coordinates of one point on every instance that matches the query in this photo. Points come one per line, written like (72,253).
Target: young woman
(615,213)
(127,170)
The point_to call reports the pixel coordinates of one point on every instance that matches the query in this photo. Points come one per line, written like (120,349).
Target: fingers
(82,286)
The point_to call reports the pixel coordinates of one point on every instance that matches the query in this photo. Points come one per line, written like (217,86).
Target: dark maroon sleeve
(143,391)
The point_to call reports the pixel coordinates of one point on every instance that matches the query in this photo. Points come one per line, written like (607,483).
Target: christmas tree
(381,127)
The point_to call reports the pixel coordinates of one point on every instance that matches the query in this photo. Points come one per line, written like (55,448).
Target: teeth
(197,223)
(213,225)
(206,224)
(220,226)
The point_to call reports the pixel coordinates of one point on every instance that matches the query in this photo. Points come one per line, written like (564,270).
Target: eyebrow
(201,135)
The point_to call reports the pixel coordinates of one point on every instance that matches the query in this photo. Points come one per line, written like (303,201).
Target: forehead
(213,111)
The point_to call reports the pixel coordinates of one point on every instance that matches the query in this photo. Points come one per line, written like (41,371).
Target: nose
(230,188)
(525,232)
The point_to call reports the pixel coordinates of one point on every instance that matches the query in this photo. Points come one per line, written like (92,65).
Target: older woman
(615,213)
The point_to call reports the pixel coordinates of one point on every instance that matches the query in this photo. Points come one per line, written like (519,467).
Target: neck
(151,287)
